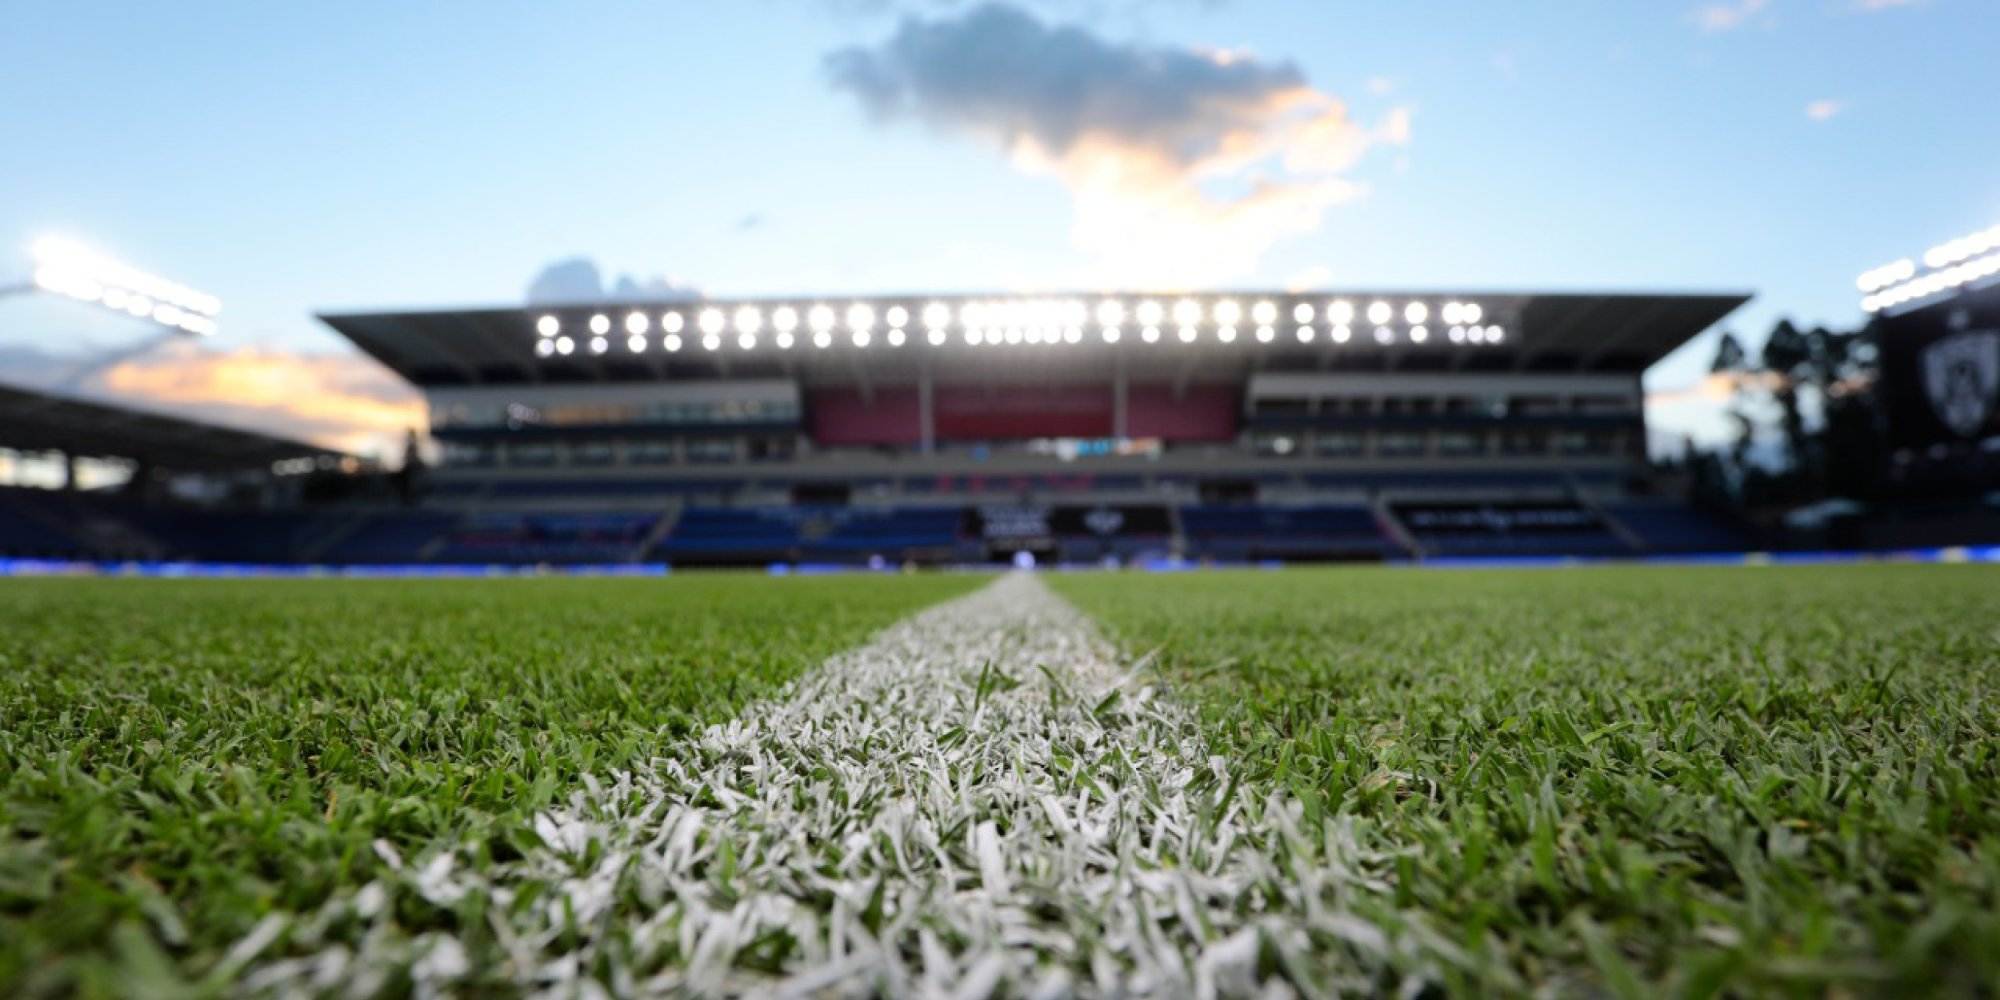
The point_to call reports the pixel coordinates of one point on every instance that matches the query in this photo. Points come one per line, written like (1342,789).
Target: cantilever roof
(1589,332)
(38,421)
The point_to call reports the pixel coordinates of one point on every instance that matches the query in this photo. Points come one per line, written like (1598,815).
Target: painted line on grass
(980,799)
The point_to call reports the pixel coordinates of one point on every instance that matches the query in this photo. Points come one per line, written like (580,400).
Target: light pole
(67,268)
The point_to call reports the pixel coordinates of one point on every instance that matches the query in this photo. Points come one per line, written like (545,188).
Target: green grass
(178,758)
(1638,781)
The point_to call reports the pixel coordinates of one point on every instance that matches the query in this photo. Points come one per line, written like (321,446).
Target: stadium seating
(555,538)
(1244,531)
(888,532)
(724,534)
(1674,527)
(396,537)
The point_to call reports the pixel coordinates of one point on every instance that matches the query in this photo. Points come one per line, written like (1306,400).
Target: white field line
(977,801)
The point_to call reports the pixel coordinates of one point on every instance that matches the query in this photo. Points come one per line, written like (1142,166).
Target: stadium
(1456,633)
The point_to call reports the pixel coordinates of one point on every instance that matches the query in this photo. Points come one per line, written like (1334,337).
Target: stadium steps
(315,547)
(1617,528)
(1393,527)
(668,518)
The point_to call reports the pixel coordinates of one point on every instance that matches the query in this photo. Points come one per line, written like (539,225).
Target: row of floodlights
(71,269)
(1944,279)
(1026,322)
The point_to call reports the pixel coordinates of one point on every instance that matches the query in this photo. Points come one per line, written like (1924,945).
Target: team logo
(1104,520)
(1961,375)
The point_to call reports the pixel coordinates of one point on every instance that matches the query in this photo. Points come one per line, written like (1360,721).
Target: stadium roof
(37,421)
(1038,337)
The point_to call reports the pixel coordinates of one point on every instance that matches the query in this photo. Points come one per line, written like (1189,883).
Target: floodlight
(1150,335)
(1419,333)
(636,343)
(1187,312)
(749,319)
(1074,313)
(861,338)
(1340,311)
(636,323)
(860,317)
(68,268)
(1384,335)
(710,321)
(1305,335)
(1073,335)
(672,322)
(547,326)
(1264,313)
(1226,334)
(822,339)
(711,342)
(600,324)
(1150,313)
(1187,334)
(971,314)
(898,316)
(1494,334)
(598,345)
(672,342)
(1379,312)
(1110,312)
(784,341)
(746,341)
(935,336)
(1110,334)
(973,336)
(937,316)
(1341,332)
(1266,334)
(820,318)
(1033,335)
(785,319)
(1456,334)
(1470,313)
(1302,313)
(564,345)
(1475,335)
(1227,313)
(1416,312)
(544,347)
(895,336)
(1013,335)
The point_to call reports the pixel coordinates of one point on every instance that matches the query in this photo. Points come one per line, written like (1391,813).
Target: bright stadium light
(1264,313)
(1379,312)
(1384,335)
(820,319)
(1150,334)
(1110,334)
(636,323)
(1475,335)
(861,338)
(1341,332)
(1110,312)
(1340,311)
(672,342)
(1014,335)
(749,319)
(598,345)
(746,341)
(1416,312)
(974,336)
(784,340)
(636,343)
(1305,335)
(564,346)
(672,322)
(935,336)
(71,269)
(1187,312)
(711,342)
(1227,313)
(937,316)
(547,326)
(1226,334)
(711,321)
(1302,313)
(1032,335)
(1419,333)
(1187,334)
(1073,335)
(1494,334)
(1470,313)
(1150,313)
(1074,312)
(822,339)
(1266,334)
(1456,334)
(544,347)
(897,316)
(600,324)
(785,319)
(895,336)
(860,317)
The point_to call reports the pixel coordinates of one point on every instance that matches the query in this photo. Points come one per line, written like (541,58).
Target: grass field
(178,758)
(1643,780)
(1636,781)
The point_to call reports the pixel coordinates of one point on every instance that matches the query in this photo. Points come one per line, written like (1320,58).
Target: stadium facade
(1081,428)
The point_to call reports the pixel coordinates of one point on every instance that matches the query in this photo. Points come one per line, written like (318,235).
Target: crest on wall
(1961,374)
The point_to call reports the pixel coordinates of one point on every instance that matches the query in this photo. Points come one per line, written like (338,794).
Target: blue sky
(296,157)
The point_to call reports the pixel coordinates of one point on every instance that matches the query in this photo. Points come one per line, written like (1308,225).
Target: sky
(294,158)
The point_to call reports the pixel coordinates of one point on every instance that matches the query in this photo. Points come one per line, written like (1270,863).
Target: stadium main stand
(1122,428)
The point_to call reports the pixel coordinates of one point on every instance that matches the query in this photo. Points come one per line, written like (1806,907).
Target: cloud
(1825,109)
(1184,166)
(577,280)
(1728,16)
(341,400)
